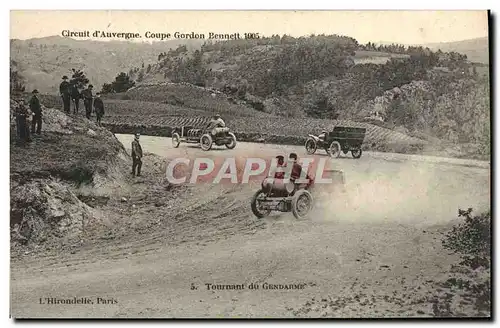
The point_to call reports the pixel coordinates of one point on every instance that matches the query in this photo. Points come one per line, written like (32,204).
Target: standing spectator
(136,155)
(22,113)
(75,96)
(87,100)
(98,108)
(36,109)
(64,90)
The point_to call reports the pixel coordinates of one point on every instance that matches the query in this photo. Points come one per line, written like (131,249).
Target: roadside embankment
(48,174)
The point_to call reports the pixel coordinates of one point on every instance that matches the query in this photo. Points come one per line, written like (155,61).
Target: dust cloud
(407,193)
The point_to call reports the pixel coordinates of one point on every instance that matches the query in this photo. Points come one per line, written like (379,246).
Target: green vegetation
(435,95)
(430,94)
(121,83)
(471,239)
(79,79)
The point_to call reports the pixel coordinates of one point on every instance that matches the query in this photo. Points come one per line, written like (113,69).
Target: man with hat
(98,108)
(64,90)
(87,100)
(136,155)
(36,109)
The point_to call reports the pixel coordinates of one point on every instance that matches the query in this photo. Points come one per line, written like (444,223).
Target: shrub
(472,237)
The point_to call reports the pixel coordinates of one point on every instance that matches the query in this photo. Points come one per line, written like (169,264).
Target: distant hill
(477,50)
(43,61)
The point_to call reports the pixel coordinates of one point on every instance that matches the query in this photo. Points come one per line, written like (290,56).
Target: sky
(406,27)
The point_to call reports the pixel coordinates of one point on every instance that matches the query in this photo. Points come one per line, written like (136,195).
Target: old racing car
(341,139)
(283,195)
(205,137)
(277,195)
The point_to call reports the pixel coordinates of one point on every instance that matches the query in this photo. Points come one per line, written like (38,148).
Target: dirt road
(375,252)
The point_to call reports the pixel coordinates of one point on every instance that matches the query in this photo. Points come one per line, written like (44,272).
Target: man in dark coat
(136,155)
(22,114)
(64,90)
(87,100)
(36,109)
(98,108)
(75,96)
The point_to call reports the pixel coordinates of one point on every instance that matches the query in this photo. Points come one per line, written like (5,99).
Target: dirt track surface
(372,252)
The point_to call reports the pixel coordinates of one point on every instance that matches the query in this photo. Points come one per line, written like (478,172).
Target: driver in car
(216,123)
(322,136)
(280,163)
(297,171)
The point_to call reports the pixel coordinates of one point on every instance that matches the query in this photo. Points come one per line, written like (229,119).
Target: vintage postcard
(250,164)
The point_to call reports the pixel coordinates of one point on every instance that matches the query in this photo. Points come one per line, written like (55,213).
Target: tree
(16,80)
(148,69)
(78,78)
(121,83)
(107,88)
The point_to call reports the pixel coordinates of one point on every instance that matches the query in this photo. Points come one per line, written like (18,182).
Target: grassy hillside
(167,100)
(375,57)
(188,96)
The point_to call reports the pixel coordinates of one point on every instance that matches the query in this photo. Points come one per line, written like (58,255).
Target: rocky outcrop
(44,210)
